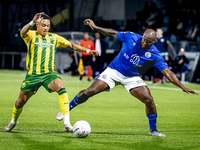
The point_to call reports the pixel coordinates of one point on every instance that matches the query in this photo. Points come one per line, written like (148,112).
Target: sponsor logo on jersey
(39,44)
(134,59)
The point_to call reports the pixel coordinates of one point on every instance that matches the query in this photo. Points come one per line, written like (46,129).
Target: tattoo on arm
(107,32)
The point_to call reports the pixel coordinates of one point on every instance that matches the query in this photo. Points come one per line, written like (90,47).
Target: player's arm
(172,78)
(79,48)
(27,27)
(107,32)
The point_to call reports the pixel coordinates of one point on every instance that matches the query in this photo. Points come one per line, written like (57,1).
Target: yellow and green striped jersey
(41,51)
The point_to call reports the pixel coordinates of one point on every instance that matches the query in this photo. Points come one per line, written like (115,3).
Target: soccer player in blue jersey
(137,55)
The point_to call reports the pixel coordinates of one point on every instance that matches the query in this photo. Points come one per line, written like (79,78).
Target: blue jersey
(132,60)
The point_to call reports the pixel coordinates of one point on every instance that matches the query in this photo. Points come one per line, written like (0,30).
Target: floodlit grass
(117,119)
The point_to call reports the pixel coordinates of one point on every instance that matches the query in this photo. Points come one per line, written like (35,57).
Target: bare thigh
(56,85)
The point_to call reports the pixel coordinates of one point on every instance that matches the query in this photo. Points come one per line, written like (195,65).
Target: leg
(162,77)
(17,109)
(21,101)
(94,66)
(23,98)
(96,87)
(57,85)
(143,94)
(89,68)
(155,76)
(89,72)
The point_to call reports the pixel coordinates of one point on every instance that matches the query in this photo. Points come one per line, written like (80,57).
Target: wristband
(32,23)
(87,51)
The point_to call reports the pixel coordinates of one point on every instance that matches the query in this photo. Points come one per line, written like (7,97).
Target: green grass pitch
(117,119)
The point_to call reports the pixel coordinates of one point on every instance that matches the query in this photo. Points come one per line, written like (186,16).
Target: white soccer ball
(81,129)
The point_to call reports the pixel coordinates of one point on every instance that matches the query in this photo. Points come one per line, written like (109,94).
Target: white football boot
(9,127)
(156,133)
(68,128)
(59,116)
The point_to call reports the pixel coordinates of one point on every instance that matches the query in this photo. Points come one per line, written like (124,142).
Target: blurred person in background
(181,62)
(87,59)
(98,61)
(162,46)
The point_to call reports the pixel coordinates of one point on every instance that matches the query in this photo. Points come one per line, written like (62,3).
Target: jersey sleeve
(62,42)
(160,63)
(29,36)
(122,36)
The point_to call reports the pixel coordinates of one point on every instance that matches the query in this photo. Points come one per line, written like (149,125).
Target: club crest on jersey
(23,85)
(104,76)
(147,54)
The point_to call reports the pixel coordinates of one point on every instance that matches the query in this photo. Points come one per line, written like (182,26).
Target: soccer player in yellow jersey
(40,64)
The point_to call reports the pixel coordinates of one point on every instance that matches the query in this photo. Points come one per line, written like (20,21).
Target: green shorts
(33,82)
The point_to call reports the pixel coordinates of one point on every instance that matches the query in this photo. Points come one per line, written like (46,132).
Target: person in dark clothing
(162,46)
(181,62)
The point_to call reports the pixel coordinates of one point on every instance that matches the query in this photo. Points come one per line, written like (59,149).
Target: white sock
(14,121)
(66,119)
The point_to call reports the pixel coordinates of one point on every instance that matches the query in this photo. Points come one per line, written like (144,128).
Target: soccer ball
(81,129)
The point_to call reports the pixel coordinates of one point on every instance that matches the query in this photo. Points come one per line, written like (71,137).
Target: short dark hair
(45,16)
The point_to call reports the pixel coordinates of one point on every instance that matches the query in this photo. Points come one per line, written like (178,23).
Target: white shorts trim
(113,78)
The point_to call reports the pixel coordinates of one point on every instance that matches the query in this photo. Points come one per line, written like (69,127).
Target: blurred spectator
(193,33)
(87,59)
(161,45)
(181,62)
(183,18)
(98,61)
(73,66)
(151,20)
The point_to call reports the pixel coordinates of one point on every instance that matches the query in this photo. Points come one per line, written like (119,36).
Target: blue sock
(73,103)
(152,121)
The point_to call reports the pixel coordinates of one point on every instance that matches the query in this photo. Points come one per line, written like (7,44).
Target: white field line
(171,89)
(151,87)
(12,75)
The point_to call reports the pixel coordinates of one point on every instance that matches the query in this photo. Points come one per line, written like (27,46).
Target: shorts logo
(139,81)
(147,54)
(23,84)
(104,76)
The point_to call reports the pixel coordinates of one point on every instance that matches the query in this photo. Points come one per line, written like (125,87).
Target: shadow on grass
(45,140)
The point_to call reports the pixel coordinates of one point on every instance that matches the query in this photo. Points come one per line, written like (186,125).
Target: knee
(59,87)
(149,101)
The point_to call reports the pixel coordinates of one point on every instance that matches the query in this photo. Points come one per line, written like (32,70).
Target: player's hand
(37,18)
(90,23)
(188,91)
(94,52)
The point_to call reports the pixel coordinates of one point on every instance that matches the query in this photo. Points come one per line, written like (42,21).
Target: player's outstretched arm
(79,48)
(172,78)
(107,32)
(27,27)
